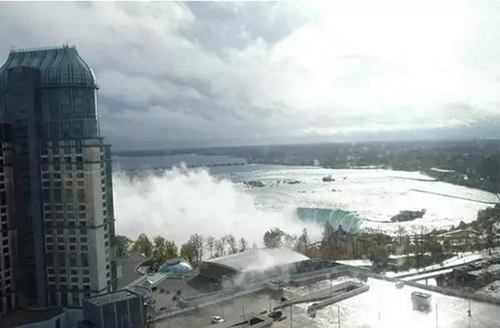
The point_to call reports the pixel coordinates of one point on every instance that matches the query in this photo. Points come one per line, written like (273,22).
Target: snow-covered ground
(356,262)
(463,258)
(492,289)
(375,195)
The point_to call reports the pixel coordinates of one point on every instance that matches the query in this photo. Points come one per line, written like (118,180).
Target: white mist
(181,202)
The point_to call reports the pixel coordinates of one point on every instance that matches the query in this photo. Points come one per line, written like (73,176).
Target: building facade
(8,229)
(61,173)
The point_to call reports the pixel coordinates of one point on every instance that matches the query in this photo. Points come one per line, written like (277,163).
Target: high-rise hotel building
(56,199)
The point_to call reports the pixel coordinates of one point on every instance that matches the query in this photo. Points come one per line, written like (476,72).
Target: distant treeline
(475,162)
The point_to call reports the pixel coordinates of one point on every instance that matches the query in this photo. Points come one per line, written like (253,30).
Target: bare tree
(196,241)
(219,248)
(210,245)
(272,238)
(231,241)
(243,244)
(304,238)
(403,240)
(290,241)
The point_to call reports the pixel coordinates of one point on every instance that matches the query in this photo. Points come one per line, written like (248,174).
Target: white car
(217,319)
(400,284)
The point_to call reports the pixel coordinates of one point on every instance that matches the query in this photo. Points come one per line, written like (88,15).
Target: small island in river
(255,184)
(328,178)
(408,216)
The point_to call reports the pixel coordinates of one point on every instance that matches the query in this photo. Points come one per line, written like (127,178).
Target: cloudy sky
(228,73)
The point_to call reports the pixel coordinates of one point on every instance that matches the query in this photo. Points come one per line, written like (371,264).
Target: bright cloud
(218,73)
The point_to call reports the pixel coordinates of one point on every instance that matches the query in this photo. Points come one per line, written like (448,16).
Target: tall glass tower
(58,208)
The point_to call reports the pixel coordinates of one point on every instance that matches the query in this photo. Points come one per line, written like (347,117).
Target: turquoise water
(349,221)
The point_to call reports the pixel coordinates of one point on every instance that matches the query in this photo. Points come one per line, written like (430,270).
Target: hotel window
(61,259)
(69,195)
(85,259)
(81,195)
(72,259)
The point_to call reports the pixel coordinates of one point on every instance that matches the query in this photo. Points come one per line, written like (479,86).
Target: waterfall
(349,221)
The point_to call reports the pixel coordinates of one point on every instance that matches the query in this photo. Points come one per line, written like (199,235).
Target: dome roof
(57,66)
(177,267)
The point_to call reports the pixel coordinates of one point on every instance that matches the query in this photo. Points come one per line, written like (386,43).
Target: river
(291,197)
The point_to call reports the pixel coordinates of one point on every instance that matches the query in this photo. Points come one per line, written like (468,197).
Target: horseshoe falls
(349,221)
(363,198)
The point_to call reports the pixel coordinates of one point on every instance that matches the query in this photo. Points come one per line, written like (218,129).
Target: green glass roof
(58,66)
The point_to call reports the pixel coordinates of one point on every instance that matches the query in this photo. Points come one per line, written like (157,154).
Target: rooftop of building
(191,285)
(128,268)
(22,317)
(197,284)
(57,65)
(120,295)
(259,259)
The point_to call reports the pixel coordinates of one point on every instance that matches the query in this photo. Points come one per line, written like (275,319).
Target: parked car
(217,319)
(275,314)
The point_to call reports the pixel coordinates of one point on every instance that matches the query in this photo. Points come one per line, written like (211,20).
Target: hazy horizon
(354,142)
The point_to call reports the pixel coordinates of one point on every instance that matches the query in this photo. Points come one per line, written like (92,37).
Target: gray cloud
(200,73)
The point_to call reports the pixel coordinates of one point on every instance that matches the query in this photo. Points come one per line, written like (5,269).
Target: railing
(23,50)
